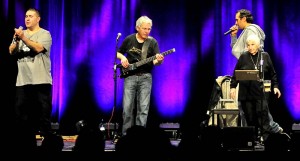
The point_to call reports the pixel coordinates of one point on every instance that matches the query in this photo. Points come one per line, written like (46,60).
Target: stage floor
(69,142)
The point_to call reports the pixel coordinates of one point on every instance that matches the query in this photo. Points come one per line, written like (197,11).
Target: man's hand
(234,30)
(124,62)
(19,33)
(159,58)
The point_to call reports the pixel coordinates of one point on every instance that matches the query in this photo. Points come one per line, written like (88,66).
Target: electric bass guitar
(130,69)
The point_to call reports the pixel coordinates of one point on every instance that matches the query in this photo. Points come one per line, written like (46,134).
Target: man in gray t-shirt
(33,107)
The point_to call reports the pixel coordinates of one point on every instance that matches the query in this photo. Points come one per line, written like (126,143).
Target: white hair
(143,19)
(253,38)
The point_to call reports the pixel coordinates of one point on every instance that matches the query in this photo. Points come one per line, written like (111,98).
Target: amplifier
(171,129)
(296,126)
(238,138)
(110,126)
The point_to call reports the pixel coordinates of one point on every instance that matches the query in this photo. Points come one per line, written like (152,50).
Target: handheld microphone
(228,32)
(17,38)
(231,30)
(119,35)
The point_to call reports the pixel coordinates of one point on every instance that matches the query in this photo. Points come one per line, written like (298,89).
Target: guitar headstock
(168,51)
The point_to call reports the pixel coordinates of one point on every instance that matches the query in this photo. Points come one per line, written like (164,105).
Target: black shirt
(251,89)
(132,49)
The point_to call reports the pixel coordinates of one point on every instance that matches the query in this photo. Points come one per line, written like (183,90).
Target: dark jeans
(33,107)
(273,128)
(257,114)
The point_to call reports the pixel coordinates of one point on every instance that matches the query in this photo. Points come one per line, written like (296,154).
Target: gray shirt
(239,45)
(34,68)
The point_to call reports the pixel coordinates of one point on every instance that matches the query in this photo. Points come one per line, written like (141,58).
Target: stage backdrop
(84,48)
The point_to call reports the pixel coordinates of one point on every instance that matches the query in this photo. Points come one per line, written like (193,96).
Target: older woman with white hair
(252,94)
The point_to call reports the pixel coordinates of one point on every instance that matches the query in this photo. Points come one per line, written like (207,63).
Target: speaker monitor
(277,142)
(171,129)
(238,138)
(295,141)
(211,138)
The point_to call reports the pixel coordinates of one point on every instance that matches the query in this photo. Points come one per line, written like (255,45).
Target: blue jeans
(137,89)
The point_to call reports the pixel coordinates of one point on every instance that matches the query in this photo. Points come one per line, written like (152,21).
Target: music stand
(247,75)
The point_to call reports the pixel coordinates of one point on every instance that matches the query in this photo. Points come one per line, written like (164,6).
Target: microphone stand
(263,92)
(115,77)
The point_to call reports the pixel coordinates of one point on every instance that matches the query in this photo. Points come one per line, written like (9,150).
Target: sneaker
(280,131)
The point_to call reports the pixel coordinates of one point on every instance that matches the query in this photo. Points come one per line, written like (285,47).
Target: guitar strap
(145,47)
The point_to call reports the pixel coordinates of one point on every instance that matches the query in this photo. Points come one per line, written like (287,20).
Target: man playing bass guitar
(138,83)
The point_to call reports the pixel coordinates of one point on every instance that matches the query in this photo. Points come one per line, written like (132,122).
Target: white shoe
(280,131)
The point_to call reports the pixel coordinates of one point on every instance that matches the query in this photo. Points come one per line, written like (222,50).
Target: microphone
(228,32)
(17,38)
(261,61)
(261,48)
(119,35)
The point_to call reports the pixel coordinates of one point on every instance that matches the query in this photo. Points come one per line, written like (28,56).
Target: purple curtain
(84,47)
